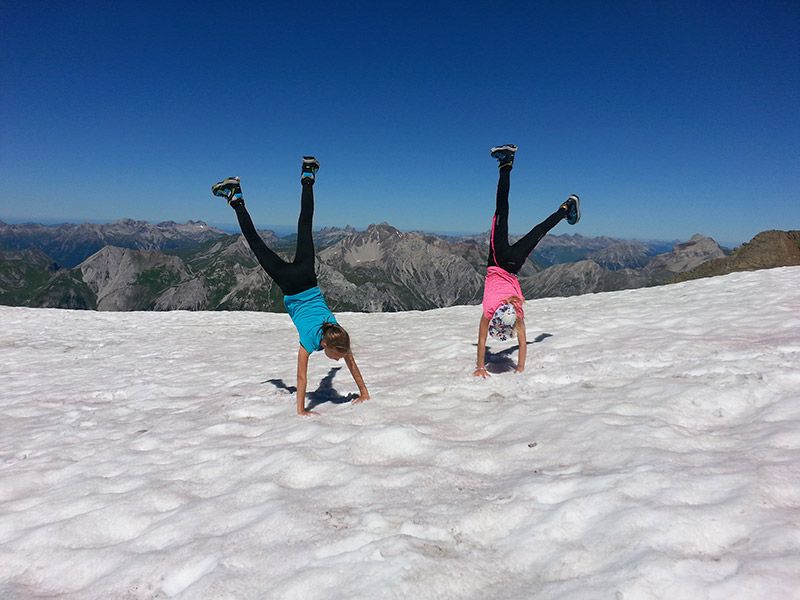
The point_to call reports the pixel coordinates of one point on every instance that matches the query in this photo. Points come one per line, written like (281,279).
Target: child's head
(335,341)
(503,323)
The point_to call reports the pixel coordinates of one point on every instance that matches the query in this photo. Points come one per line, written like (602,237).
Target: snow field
(649,450)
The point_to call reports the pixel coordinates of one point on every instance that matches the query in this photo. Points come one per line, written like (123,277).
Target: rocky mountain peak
(766,250)
(382,229)
(139,266)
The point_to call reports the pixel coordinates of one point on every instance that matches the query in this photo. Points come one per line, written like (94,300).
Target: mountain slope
(376,270)
(124,279)
(384,269)
(612,269)
(70,244)
(22,273)
(766,250)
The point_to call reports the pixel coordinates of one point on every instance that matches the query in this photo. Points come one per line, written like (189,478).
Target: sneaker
(504,154)
(573,208)
(309,169)
(229,188)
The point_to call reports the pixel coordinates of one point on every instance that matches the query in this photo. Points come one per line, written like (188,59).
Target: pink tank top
(499,285)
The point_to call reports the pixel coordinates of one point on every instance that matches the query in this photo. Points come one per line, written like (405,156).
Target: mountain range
(135,265)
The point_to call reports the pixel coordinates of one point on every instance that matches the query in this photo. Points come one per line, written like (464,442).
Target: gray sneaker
(504,154)
(229,188)
(308,172)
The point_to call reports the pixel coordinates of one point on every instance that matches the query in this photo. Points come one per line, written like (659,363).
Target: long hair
(336,337)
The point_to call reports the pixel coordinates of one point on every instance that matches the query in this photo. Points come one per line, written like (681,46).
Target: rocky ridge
(69,244)
(378,269)
(766,250)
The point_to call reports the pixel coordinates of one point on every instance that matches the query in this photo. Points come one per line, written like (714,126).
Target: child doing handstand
(503,314)
(297,280)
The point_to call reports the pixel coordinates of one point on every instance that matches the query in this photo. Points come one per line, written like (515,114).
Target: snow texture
(651,449)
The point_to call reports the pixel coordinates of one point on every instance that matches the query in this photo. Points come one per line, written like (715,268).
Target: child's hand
(520,368)
(481,372)
(361,398)
(308,413)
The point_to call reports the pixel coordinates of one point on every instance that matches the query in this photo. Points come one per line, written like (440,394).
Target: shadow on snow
(325,392)
(501,362)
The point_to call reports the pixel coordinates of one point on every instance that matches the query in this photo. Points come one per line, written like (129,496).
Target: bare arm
(302,379)
(523,345)
(483,332)
(363,393)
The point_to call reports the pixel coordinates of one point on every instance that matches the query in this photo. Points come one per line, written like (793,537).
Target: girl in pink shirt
(503,314)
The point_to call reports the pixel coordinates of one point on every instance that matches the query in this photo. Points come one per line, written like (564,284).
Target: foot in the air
(504,155)
(573,207)
(230,189)
(308,173)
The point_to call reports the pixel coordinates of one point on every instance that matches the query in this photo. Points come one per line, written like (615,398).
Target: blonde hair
(335,337)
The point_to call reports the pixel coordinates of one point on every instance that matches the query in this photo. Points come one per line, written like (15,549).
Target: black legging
(298,275)
(512,257)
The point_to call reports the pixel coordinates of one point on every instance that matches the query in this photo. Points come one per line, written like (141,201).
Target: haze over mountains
(135,265)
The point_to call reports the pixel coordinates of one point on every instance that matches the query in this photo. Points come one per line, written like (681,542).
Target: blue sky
(668,118)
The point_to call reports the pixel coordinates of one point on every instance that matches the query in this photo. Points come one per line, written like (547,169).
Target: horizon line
(286,230)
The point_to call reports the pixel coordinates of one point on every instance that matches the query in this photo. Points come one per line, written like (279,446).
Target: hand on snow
(481,372)
(361,398)
(308,413)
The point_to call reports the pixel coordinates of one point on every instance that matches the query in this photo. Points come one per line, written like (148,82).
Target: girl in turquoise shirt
(302,297)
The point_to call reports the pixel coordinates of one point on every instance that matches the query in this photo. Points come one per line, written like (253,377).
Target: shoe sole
(577,210)
(510,147)
(218,189)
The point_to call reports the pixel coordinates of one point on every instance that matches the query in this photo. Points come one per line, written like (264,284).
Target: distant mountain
(69,244)
(766,250)
(229,277)
(611,253)
(327,236)
(582,277)
(619,266)
(622,255)
(384,269)
(124,279)
(557,249)
(684,257)
(192,267)
(22,273)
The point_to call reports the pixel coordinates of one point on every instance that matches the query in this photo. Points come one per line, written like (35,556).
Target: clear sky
(668,118)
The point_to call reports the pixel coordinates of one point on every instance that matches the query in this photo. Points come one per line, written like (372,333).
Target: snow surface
(650,450)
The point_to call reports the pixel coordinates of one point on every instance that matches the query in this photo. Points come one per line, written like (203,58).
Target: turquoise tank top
(309,312)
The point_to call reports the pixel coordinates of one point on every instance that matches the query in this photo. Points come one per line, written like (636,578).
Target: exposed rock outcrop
(768,249)
(397,271)
(684,257)
(379,269)
(125,279)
